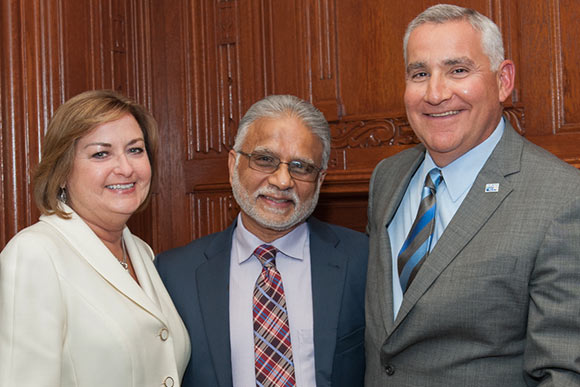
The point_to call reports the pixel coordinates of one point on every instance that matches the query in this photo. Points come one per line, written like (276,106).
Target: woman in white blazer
(81,303)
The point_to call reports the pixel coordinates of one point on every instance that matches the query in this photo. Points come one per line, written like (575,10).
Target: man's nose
(437,90)
(281,177)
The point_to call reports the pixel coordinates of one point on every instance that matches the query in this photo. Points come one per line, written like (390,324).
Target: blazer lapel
(213,292)
(328,268)
(471,216)
(142,259)
(95,253)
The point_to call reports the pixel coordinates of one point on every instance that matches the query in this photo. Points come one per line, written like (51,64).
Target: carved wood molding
(212,212)
(390,131)
(371,132)
(322,46)
(211,73)
(516,116)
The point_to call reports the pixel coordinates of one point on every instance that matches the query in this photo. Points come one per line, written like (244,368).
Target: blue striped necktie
(418,242)
(274,365)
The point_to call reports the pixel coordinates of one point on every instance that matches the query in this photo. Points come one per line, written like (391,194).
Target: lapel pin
(492,187)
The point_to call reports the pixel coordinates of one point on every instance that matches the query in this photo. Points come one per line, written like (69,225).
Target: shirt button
(389,370)
(164,334)
(168,382)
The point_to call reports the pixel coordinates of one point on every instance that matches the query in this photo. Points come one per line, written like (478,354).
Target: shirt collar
(459,176)
(291,244)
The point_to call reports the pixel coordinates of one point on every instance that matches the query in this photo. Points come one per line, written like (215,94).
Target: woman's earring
(62,194)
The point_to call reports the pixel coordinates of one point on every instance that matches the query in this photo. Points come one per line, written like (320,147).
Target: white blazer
(70,315)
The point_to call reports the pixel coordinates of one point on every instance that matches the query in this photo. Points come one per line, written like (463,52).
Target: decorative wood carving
(213,211)
(321,29)
(371,132)
(199,65)
(515,115)
(385,131)
(211,75)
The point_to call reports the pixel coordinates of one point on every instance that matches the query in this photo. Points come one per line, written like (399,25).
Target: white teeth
(121,186)
(449,113)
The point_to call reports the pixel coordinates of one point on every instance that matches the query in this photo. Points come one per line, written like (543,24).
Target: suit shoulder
(391,166)
(403,157)
(549,168)
(39,246)
(354,241)
(39,236)
(345,233)
(191,252)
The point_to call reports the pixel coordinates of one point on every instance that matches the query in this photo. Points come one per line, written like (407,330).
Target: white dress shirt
(458,177)
(293,263)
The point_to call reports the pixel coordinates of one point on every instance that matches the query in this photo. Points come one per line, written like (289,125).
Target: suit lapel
(90,248)
(213,292)
(394,187)
(471,216)
(328,268)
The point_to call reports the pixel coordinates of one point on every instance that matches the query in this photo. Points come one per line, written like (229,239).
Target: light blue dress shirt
(458,177)
(293,263)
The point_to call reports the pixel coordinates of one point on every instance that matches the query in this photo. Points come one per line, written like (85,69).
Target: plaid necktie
(272,346)
(418,242)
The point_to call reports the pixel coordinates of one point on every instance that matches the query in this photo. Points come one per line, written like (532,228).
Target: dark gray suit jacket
(197,277)
(497,302)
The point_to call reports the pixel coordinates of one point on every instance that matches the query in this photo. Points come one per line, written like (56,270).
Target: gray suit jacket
(197,277)
(497,302)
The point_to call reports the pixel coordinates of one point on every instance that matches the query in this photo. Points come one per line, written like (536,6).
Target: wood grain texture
(50,51)
(32,87)
(200,64)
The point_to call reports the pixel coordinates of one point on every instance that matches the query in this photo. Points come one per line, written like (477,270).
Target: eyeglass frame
(288,163)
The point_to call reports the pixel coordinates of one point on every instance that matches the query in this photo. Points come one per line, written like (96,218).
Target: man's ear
(231,163)
(506,75)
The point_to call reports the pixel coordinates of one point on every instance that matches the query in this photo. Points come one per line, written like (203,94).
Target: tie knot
(267,255)
(433,179)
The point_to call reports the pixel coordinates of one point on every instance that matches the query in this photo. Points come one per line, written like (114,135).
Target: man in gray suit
(308,332)
(483,289)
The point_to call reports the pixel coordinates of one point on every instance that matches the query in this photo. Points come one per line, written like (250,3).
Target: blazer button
(389,370)
(164,334)
(168,382)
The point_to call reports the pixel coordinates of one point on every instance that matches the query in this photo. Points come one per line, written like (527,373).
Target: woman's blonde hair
(73,120)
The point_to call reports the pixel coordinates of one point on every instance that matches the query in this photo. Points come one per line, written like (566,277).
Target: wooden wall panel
(547,71)
(199,64)
(538,68)
(284,36)
(211,76)
(566,33)
(50,51)
(213,211)
(171,225)
(321,59)
(370,44)
(31,87)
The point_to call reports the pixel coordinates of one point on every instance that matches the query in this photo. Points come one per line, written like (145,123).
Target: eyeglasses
(299,170)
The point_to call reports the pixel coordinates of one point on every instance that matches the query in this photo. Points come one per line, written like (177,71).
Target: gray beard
(246,202)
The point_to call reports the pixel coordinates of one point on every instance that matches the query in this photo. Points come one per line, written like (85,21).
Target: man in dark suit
(218,283)
(474,265)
